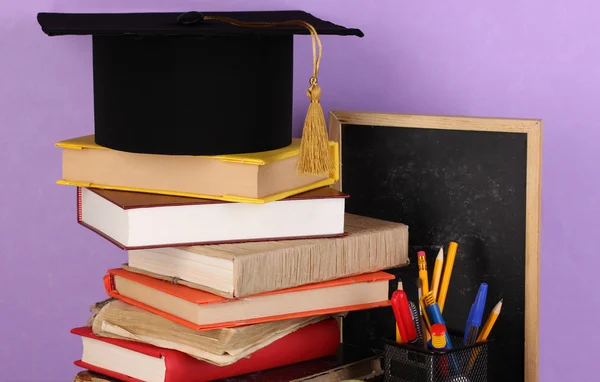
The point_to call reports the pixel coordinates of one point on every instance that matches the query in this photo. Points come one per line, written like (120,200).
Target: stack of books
(241,259)
(214,287)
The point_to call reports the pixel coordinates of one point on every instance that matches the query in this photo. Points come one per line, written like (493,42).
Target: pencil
(437,272)
(447,274)
(489,324)
(422,262)
(485,332)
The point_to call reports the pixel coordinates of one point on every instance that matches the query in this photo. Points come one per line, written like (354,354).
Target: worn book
(221,347)
(201,310)
(349,363)
(244,269)
(134,220)
(253,178)
(135,361)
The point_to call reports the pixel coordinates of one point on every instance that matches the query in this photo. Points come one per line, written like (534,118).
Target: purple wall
(536,59)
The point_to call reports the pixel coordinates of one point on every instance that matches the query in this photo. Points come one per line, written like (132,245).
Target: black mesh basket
(414,363)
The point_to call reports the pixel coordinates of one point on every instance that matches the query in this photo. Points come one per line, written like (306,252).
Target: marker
(398,336)
(438,337)
(403,316)
(452,248)
(437,273)
(422,262)
(435,316)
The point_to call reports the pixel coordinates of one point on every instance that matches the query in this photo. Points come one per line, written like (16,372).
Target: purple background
(535,59)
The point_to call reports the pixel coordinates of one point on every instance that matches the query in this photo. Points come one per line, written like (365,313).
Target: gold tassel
(315,156)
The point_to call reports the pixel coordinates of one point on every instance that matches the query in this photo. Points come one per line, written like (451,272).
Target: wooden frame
(533,129)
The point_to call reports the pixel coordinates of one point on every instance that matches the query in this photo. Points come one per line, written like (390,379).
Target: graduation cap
(201,83)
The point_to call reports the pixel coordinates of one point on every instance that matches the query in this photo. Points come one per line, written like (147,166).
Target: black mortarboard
(198,83)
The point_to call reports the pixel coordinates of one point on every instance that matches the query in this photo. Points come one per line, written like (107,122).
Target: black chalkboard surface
(474,181)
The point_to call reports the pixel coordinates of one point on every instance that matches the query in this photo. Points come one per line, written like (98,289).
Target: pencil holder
(414,363)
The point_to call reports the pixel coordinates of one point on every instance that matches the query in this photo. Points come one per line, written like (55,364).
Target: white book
(140,220)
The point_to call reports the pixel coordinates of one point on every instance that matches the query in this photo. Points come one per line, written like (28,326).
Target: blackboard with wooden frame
(475,181)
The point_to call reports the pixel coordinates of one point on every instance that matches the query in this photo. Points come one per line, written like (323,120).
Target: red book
(135,361)
(201,310)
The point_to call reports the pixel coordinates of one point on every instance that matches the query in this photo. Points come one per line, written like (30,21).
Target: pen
(437,273)
(422,262)
(475,315)
(485,332)
(416,317)
(452,248)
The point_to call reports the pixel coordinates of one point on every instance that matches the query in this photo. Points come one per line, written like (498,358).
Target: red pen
(403,316)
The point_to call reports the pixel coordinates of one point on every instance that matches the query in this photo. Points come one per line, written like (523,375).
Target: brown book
(254,177)
(134,220)
(244,269)
(117,319)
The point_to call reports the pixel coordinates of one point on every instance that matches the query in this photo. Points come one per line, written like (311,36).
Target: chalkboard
(475,181)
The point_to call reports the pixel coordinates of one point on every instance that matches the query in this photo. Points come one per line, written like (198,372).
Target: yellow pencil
(437,272)
(489,324)
(452,248)
(422,262)
(485,332)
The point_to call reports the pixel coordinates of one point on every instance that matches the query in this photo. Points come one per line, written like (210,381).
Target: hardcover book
(244,269)
(134,361)
(252,178)
(134,220)
(221,347)
(349,363)
(201,310)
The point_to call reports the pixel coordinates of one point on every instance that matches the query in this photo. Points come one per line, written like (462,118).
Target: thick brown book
(244,269)
(134,220)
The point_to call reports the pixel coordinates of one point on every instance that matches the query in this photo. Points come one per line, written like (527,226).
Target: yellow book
(251,178)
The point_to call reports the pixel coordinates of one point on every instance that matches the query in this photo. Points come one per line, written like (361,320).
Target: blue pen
(476,315)
(469,319)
